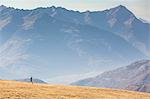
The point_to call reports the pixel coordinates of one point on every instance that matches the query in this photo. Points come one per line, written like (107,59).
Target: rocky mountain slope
(127,77)
(141,88)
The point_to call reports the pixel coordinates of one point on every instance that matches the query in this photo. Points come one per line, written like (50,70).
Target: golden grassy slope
(19,90)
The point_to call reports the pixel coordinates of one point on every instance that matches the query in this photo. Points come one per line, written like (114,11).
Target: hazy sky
(138,7)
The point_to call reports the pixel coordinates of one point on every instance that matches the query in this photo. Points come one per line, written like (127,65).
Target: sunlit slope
(19,90)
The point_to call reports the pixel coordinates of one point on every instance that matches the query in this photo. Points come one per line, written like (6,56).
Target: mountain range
(53,41)
(135,76)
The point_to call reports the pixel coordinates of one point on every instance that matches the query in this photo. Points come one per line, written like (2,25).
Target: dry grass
(19,90)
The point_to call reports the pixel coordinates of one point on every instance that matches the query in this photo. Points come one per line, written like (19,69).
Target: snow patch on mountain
(29,22)
(87,17)
(129,22)
(4,22)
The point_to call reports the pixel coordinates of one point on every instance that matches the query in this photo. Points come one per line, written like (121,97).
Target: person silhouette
(31,80)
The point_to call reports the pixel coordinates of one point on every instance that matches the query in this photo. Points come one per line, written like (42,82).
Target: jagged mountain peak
(2,7)
(121,7)
(120,10)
